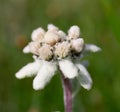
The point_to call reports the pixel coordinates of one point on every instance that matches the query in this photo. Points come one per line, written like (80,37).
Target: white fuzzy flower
(38,34)
(55,52)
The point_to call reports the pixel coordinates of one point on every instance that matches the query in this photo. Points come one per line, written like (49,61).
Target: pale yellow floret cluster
(54,42)
(62,49)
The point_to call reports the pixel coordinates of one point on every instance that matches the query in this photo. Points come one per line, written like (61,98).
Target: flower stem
(67,94)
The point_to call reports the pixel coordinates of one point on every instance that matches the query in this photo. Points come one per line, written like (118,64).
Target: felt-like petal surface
(84,77)
(26,49)
(29,70)
(44,75)
(68,68)
(92,48)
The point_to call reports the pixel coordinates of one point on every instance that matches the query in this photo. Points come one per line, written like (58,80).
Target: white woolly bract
(92,48)
(84,77)
(44,75)
(26,49)
(29,70)
(68,68)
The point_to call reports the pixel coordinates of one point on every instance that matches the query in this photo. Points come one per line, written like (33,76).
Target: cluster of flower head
(54,50)
(54,43)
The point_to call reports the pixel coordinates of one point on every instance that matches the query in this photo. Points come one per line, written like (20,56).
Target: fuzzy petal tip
(29,70)
(92,48)
(26,49)
(84,77)
(44,75)
(68,68)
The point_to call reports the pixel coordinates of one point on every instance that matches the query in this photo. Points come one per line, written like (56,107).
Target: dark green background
(99,21)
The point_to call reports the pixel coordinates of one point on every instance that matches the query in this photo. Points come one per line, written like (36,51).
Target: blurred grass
(99,21)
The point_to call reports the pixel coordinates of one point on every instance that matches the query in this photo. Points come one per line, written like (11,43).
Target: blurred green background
(99,21)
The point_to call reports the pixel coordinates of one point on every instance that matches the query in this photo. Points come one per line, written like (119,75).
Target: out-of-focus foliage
(99,21)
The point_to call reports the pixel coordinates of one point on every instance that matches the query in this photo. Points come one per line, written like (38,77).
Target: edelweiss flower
(54,50)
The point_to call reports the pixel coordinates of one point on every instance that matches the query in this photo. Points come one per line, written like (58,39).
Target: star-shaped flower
(54,50)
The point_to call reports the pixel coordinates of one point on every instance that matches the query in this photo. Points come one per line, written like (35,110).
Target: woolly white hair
(29,70)
(74,32)
(26,49)
(77,44)
(44,75)
(92,48)
(84,77)
(62,35)
(68,68)
(52,27)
